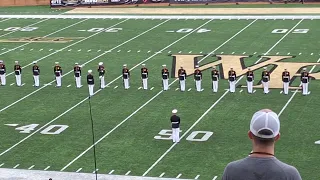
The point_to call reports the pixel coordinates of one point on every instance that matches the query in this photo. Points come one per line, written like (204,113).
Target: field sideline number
(104,29)
(188,30)
(48,130)
(192,137)
(28,29)
(282,31)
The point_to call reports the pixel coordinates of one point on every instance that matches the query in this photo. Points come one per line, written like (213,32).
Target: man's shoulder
(236,164)
(288,169)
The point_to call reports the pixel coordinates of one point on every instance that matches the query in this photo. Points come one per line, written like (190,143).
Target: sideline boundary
(193,17)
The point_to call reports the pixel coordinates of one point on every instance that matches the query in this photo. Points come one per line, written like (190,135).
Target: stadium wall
(24,2)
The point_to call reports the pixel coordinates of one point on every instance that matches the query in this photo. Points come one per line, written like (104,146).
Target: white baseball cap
(100,63)
(265,119)
(89,71)
(265,68)
(76,63)
(174,111)
(57,62)
(304,69)
(125,65)
(164,65)
(143,64)
(1,61)
(16,61)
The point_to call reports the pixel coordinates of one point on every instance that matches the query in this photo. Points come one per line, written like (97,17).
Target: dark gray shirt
(257,168)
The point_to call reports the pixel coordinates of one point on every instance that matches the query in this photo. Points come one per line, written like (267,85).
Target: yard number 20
(282,31)
(166,134)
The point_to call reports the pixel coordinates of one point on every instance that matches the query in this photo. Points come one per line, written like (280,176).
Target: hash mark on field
(214,178)
(179,175)
(139,88)
(221,52)
(89,50)
(201,52)
(300,53)
(31,49)
(23,84)
(129,51)
(311,54)
(46,168)
(69,85)
(3,49)
(70,50)
(288,53)
(128,173)
(41,50)
(179,52)
(148,51)
(232,53)
(21,49)
(138,51)
(1,164)
(255,53)
(190,52)
(11,84)
(95,171)
(281,92)
(119,50)
(16,166)
(162,174)
(254,91)
(151,88)
(50,49)
(99,50)
(169,51)
(177,89)
(79,170)
(31,167)
(79,50)
(277,53)
(189,89)
(241,90)
(243,52)
(197,176)
(111,172)
(115,87)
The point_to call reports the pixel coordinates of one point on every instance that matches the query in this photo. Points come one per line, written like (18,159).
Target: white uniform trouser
(3,79)
(36,80)
(165,83)
(126,83)
(305,88)
(102,83)
(215,86)
(78,82)
(18,80)
(90,89)
(198,85)
(232,85)
(145,83)
(250,86)
(265,87)
(182,85)
(175,134)
(285,87)
(58,81)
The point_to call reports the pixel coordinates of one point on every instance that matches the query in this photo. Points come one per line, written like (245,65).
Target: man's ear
(250,135)
(277,137)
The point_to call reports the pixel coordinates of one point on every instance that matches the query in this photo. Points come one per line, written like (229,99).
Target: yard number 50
(166,134)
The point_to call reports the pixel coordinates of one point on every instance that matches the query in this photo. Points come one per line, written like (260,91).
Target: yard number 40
(166,134)
(52,129)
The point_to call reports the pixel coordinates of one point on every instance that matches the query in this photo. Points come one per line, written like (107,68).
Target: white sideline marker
(221,52)
(69,85)
(99,50)
(138,51)
(41,50)
(128,173)
(300,53)
(16,166)
(50,49)
(288,54)
(190,52)
(281,92)
(277,53)
(1,164)
(139,88)
(148,51)
(162,174)
(255,53)
(3,49)
(119,50)
(254,91)
(179,52)
(21,49)
(232,53)
(179,175)
(189,89)
(46,168)
(79,50)
(244,53)
(197,176)
(79,170)
(214,178)
(177,89)
(241,90)
(89,50)
(115,87)
(11,84)
(311,54)
(31,167)
(95,171)
(129,51)
(169,52)
(23,84)
(111,172)
(70,50)
(31,49)
(151,88)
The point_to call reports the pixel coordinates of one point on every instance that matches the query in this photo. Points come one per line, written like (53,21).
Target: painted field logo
(42,39)
(225,62)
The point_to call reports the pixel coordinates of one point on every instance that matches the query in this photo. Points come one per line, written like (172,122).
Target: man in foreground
(261,163)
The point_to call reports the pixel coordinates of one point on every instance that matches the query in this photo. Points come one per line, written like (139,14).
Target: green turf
(131,146)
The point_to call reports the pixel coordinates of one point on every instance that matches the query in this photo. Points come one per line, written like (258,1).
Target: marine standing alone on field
(165,78)
(198,78)
(125,76)
(285,80)
(215,79)
(90,81)
(58,73)
(17,70)
(250,79)
(36,74)
(182,78)
(265,76)
(175,124)
(232,80)
(2,73)
(101,71)
(305,78)
(144,76)
(77,75)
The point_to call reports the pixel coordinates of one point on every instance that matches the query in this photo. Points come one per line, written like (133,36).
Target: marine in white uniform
(2,73)
(17,70)
(215,79)
(90,82)
(57,70)
(305,78)
(232,80)
(286,81)
(36,74)
(250,80)
(125,76)
(182,78)
(77,75)
(165,77)
(198,78)
(265,76)
(144,76)
(101,71)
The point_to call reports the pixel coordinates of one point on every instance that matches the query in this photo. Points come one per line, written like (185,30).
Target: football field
(49,128)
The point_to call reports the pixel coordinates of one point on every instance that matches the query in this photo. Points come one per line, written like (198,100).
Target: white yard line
(162,174)
(214,178)
(76,105)
(79,170)
(208,110)
(55,52)
(111,172)
(179,175)
(31,167)
(16,166)
(43,36)
(46,168)
(128,173)
(80,155)
(295,92)
(197,177)
(25,27)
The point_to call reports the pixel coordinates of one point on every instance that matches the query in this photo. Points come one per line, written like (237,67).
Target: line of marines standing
(182,75)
